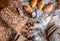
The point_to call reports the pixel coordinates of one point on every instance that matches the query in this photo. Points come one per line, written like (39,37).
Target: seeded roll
(5,33)
(12,18)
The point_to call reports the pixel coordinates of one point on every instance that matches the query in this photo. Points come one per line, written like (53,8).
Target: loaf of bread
(12,18)
(5,33)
